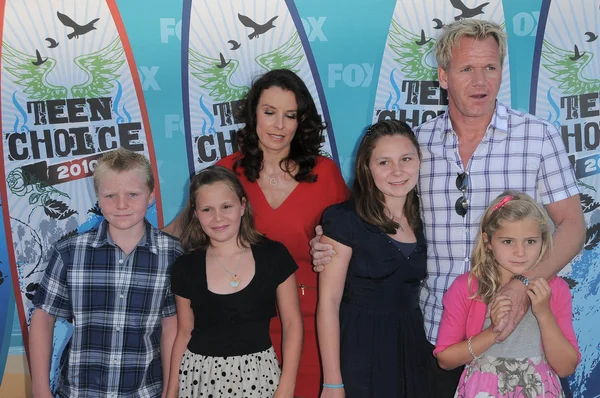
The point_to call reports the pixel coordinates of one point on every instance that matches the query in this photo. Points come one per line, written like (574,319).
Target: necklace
(234,279)
(272,180)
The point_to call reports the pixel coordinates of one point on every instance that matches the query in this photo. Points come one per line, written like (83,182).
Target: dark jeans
(445,381)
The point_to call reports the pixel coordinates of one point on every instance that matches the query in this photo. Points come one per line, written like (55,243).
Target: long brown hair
(510,206)
(307,141)
(193,236)
(369,200)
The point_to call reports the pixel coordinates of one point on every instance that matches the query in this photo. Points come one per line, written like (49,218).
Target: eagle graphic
(568,71)
(416,60)
(215,78)
(101,68)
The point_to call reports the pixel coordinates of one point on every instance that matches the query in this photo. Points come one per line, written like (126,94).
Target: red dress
(293,224)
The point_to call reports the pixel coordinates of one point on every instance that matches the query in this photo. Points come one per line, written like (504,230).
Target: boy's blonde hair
(121,160)
(510,206)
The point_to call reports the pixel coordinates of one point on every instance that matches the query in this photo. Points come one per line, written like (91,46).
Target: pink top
(464,317)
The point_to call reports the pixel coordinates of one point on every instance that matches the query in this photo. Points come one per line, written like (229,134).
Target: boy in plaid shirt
(114,283)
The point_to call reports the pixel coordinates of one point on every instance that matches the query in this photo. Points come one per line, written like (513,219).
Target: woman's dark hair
(368,199)
(192,236)
(306,143)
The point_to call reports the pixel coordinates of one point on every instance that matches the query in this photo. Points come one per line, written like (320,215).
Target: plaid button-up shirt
(116,303)
(518,151)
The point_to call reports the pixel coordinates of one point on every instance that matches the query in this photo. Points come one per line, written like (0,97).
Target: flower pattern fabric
(495,377)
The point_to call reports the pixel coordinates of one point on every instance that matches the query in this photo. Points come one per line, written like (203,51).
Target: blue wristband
(333,385)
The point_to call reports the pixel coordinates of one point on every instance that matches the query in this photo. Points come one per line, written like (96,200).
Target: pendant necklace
(234,279)
(272,180)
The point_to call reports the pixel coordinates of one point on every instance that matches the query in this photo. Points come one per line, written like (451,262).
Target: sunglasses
(462,204)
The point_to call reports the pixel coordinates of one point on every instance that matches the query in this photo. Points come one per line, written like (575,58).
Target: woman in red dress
(288,184)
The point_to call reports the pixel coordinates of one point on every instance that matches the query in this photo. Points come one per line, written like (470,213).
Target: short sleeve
(180,276)
(283,261)
(170,308)
(453,326)
(562,309)
(52,295)
(337,223)
(556,179)
(174,251)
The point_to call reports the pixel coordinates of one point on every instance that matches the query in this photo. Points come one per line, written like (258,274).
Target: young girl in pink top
(514,235)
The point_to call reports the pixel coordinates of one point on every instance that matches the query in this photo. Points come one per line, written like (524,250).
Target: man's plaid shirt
(518,151)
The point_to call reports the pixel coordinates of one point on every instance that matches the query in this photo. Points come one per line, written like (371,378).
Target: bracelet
(333,385)
(471,350)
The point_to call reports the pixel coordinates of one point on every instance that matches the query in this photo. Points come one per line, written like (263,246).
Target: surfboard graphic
(70,92)
(225,46)
(408,89)
(7,304)
(566,93)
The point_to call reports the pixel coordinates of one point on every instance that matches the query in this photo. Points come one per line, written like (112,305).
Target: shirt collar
(499,120)
(148,240)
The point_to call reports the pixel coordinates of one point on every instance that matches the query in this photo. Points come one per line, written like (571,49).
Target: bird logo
(234,44)
(422,41)
(51,42)
(31,72)
(591,36)
(258,29)
(214,75)
(577,54)
(414,53)
(78,30)
(438,23)
(466,11)
(568,70)
(39,61)
(223,63)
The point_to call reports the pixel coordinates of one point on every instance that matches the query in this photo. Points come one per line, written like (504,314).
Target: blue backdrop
(345,50)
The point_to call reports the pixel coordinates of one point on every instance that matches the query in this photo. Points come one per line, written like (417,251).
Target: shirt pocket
(139,300)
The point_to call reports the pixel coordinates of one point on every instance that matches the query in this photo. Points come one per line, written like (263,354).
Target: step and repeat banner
(565,90)
(79,79)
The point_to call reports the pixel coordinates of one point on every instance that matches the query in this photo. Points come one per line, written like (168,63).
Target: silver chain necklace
(234,278)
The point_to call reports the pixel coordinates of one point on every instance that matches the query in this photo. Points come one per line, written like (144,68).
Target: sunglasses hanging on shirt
(462,204)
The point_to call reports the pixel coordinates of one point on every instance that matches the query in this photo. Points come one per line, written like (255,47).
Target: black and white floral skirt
(244,376)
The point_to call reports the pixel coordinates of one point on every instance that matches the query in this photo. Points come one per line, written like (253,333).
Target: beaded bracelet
(471,349)
(333,385)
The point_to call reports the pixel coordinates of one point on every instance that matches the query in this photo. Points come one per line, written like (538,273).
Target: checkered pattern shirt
(518,151)
(116,303)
